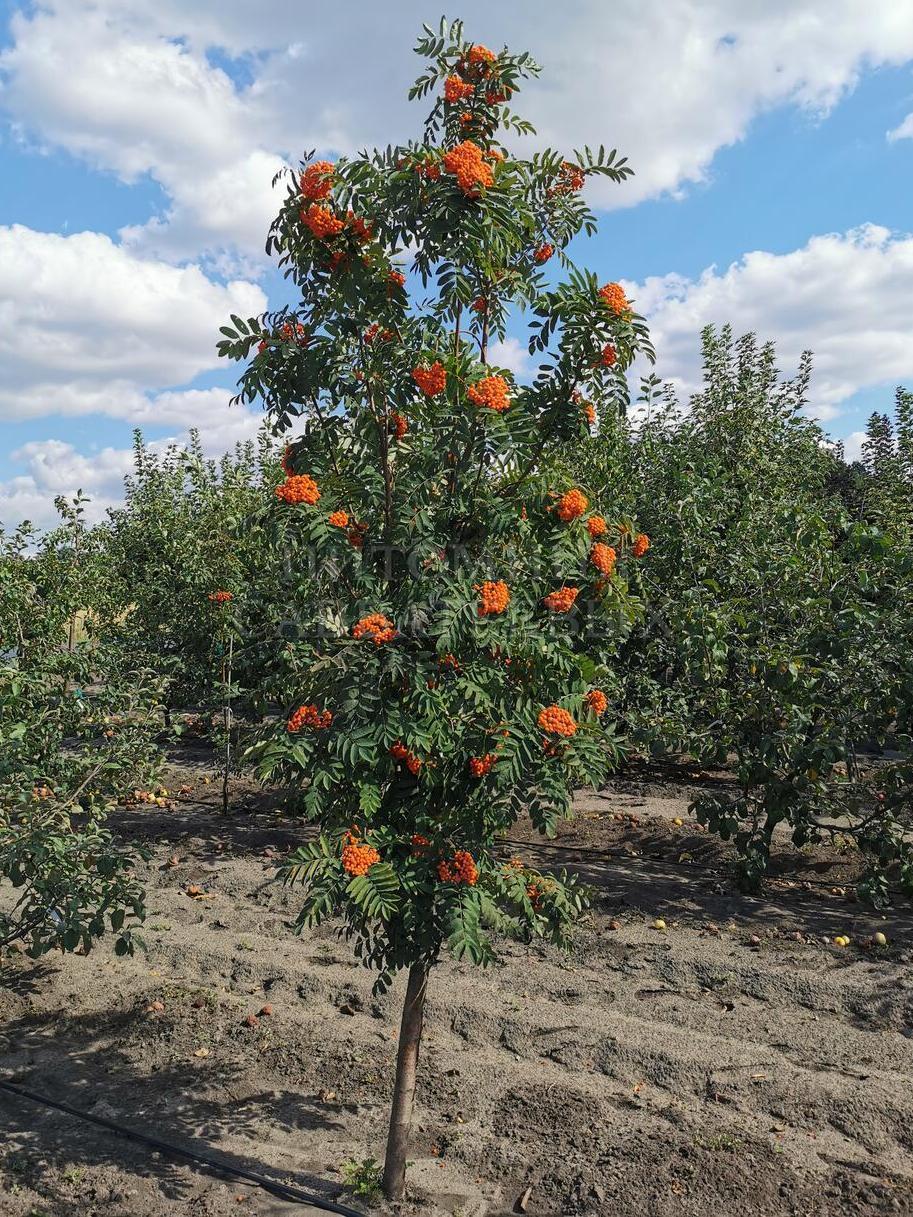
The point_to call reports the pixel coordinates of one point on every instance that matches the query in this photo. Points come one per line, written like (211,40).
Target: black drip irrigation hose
(213,1165)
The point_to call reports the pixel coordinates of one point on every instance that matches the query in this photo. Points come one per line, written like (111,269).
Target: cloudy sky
(772,142)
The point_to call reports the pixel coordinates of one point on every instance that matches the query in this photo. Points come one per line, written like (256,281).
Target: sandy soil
(734,1063)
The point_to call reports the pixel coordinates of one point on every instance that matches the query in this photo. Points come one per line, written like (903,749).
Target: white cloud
(513,355)
(53,467)
(852,445)
(87,326)
(846,297)
(904,131)
(94,81)
(128,85)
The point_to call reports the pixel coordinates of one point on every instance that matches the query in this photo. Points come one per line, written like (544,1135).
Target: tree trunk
(410,1037)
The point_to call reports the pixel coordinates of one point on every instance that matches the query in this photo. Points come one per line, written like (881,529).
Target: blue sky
(774,158)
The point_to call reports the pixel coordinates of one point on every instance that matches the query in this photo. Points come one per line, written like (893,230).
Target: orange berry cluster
(298,488)
(479,766)
(603,558)
(419,844)
(431,380)
(480,56)
(589,411)
(543,252)
(358,859)
(596,526)
(427,169)
(339,519)
(570,179)
(572,505)
(597,701)
(400,752)
(491,392)
(456,89)
(309,716)
(556,720)
(562,600)
(609,356)
(641,545)
(375,626)
(220,597)
(493,597)
(296,333)
(374,332)
(614,298)
(356,534)
(316,181)
(468,165)
(461,870)
(399,424)
(396,278)
(322,222)
(361,229)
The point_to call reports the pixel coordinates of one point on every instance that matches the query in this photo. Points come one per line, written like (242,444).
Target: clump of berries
(317,181)
(571,505)
(557,721)
(400,752)
(298,488)
(490,392)
(461,869)
(309,716)
(614,298)
(561,601)
(322,222)
(480,766)
(377,627)
(494,597)
(603,558)
(358,858)
(431,380)
(468,165)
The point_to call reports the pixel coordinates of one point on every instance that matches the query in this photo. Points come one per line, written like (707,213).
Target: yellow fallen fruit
(678,820)
(841,941)
(659,924)
(879,939)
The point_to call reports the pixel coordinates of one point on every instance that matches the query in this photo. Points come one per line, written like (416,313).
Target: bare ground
(734,1063)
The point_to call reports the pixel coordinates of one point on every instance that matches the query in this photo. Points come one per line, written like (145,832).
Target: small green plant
(723,1142)
(362,1178)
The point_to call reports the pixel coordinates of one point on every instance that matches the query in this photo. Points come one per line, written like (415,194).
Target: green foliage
(68,744)
(187,529)
(440,495)
(778,637)
(362,1178)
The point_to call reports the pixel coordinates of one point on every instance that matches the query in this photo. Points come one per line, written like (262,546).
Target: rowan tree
(449,671)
